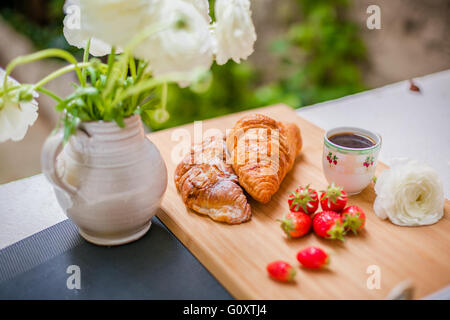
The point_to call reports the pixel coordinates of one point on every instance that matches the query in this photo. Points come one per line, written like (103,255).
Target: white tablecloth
(414,125)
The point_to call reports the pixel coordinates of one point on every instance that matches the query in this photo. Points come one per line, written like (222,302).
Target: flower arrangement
(149,44)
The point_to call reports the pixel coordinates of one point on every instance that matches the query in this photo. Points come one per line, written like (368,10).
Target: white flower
(15,117)
(409,194)
(234,30)
(202,6)
(78,36)
(184,44)
(113,21)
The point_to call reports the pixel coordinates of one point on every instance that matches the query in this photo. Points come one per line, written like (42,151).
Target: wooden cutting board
(237,255)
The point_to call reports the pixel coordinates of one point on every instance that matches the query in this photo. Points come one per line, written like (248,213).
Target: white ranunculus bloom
(410,193)
(15,118)
(234,30)
(114,21)
(78,36)
(183,45)
(203,7)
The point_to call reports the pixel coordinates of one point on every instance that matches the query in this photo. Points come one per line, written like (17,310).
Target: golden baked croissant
(209,186)
(262,151)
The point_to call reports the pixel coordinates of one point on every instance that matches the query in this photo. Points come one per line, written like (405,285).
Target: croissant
(262,151)
(209,186)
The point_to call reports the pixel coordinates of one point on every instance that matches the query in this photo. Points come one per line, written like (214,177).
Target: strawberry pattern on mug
(332,159)
(368,162)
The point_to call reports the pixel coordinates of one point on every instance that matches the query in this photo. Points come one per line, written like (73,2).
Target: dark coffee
(352,140)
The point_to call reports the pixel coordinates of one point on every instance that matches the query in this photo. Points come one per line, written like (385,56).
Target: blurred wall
(413,41)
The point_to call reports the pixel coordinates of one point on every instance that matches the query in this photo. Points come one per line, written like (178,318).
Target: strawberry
(313,258)
(354,218)
(334,198)
(281,271)
(329,225)
(303,200)
(296,224)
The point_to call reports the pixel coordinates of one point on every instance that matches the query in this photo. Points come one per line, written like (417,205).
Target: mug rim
(366,132)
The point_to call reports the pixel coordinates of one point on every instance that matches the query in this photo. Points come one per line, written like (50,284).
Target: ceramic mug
(351,168)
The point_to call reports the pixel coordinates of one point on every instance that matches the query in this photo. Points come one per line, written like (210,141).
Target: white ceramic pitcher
(108,180)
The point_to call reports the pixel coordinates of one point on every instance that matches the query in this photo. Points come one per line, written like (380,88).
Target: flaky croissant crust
(209,186)
(262,151)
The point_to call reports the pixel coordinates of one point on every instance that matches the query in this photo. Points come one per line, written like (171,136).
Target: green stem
(146,105)
(48,53)
(85,59)
(60,72)
(111,62)
(133,68)
(141,70)
(9,89)
(148,84)
(164,95)
(50,94)
(136,77)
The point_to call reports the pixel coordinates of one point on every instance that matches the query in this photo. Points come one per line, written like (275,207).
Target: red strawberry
(281,271)
(296,224)
(371,163)
(334,198)
(313,258)
(335,162)
(329,225)
(354,218)
(303,200)
(328,158)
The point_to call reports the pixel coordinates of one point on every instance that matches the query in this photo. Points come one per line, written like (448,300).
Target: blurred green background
(320,54)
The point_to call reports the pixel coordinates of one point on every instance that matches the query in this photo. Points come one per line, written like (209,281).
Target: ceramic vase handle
(52,147)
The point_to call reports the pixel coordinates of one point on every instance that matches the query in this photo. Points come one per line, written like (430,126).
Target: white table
(412,125)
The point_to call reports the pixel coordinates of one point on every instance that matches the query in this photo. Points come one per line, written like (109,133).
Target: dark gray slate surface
(157,266)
